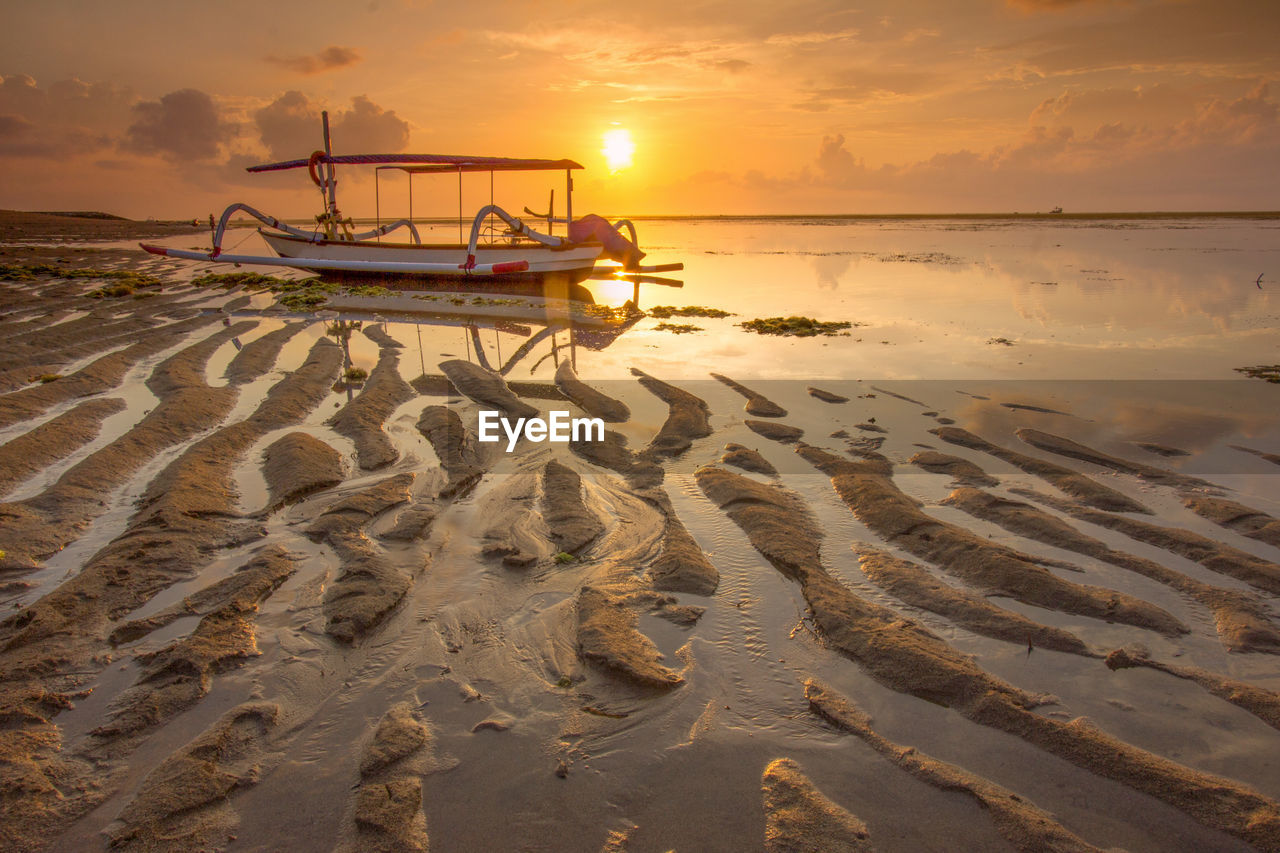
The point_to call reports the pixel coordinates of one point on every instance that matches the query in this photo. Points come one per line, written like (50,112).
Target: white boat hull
(446,261)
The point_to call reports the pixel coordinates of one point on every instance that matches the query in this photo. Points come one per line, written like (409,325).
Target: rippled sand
(843,595)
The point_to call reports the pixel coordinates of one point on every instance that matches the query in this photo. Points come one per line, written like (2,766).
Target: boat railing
(309,236)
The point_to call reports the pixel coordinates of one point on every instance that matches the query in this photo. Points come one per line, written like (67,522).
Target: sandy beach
(993,566)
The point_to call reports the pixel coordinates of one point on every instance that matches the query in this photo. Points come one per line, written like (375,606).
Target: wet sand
(823,612)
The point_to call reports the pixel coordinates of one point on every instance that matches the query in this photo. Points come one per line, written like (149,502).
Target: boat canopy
(424,163)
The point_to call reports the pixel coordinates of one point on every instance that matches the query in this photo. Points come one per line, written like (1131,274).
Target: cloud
(1207,34)
(1052,5)
(367,127)
(69,117)
(290,127)
(182,125)
(1220,153)
(331,58)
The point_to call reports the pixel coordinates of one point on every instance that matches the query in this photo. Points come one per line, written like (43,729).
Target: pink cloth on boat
(597,228)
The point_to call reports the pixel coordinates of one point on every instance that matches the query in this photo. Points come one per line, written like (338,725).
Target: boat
(501,249)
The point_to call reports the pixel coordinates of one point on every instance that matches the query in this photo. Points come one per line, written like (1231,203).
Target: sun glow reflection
(618,149)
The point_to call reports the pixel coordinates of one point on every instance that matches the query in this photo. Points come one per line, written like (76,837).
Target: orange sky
(154,108)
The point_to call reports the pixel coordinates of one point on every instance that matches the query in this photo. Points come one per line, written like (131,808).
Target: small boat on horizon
(502,249)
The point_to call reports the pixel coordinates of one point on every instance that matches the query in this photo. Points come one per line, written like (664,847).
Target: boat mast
(568,195)
(330,179)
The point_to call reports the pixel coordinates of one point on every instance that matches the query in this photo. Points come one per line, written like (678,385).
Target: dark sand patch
(898,396)
(958,469)
(1040,410)
(298,465)
(1023,824)
(590,400)
(800,819)
(748,460)
(868,490)
(361,419)
(1273,458)
(782,433)
(639,469)
(259,355)
(1162,450)
(1240,619)
(56,439)
(1263,704)
(1250,522)
(453,444)
(571,525)
(369,584)
(682,566)
(185,803)
(1064,479)
(826,396)
(687,418)
(1210,553)
(1075,450)
(485,387)
(757,404)
(608,636)
(388,802)
(912,584)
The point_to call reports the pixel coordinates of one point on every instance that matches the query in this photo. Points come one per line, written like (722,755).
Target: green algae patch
(119,282)
(249,280)
(664,312)
(306,294)
(1265,372)
(798,327)
(677,328)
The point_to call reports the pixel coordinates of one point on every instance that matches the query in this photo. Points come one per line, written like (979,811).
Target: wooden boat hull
(571,264)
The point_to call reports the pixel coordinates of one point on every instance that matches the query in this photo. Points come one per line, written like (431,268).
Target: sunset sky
(148,108)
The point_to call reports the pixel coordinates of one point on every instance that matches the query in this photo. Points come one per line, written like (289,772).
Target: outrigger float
(502,249)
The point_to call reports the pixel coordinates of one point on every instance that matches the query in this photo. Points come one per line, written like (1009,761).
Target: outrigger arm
(297,232)
(516,225)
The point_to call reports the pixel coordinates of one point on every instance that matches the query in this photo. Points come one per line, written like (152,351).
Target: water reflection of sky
(1140,299)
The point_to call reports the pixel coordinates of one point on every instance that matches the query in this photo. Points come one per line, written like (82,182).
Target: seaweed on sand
(120,282)
(1266,372)
(665,312)
(297,295)
(799,327)
(677,328)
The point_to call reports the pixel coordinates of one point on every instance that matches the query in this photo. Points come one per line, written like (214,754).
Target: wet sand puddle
(296,584)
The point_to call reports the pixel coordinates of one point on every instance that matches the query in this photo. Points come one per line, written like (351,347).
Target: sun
(618,148)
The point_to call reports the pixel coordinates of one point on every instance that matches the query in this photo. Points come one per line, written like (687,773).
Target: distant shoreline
(896,217)
(86,217)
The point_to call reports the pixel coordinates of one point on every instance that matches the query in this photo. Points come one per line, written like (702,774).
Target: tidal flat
(996,567)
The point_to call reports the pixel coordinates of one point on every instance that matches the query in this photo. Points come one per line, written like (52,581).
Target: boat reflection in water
(553,328)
